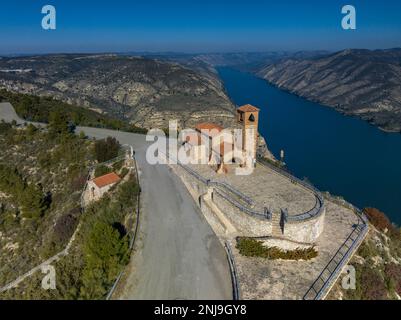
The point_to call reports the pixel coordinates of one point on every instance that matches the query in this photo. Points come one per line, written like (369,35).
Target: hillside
(41,178)
(377,263)
(356,82)
(147,92)
(42,175)
(40,109)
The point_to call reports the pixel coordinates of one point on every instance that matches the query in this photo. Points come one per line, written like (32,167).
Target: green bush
(253,248)
(118,165)
(61,165)
(34,108)
(27,195)
(105,251)
(5,127)
(124,172)
(106,149)
(38,173)
(127,193)
(102,170)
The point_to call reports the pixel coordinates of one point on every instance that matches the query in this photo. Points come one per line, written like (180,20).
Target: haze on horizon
(197,26)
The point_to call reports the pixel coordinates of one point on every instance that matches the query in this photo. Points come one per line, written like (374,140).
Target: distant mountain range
(356,82)
(149,89)
(147,92)
(245,61)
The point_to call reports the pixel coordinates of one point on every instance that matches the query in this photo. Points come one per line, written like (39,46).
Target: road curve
(179,256)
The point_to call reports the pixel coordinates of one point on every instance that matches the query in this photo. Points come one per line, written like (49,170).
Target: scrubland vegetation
(40,109)
(42,173)
(377,262)
(254,248)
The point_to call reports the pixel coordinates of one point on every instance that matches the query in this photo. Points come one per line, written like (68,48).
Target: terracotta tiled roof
(214,128)
(248,108)
(106,180)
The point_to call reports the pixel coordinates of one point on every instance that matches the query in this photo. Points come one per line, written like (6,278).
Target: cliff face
(356,82)
(145,91)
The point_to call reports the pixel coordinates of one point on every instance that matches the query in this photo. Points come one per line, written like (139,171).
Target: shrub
(392,272)
(45,160)
(366,250)
(118,165)
(124,172)
(5,127)
(29,196)
(65,226)
(39,109)
(106,149)
(253,248)
(102,170)
(378,219)
(105,252)
(372,284)
(58,123)
(127,193)
(78,182)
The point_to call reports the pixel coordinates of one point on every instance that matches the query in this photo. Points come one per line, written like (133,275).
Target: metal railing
(226,196)
(224,185)
(251,212)
(319,204)
(233,271)
(333,269)
(314,212)
(288,175)
(134,233)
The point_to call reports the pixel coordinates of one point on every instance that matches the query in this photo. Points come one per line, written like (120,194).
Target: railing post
(267,213)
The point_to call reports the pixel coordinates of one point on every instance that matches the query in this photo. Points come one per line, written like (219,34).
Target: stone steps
(276,229)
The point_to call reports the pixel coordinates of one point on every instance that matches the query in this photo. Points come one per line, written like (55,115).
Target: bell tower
(248,118)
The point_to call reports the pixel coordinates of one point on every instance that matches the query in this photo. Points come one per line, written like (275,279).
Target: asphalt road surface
(179,256)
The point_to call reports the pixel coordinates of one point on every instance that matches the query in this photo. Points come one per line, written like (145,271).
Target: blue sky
(197,26)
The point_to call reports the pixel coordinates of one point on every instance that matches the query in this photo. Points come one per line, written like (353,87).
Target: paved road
(180,256)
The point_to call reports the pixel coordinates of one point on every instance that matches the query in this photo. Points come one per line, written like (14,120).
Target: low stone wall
(246,225)
(304,231)
(211,218)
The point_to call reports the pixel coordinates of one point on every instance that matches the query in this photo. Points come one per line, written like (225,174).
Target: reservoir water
(340,154)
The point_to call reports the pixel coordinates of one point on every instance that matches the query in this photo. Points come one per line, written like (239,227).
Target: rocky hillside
(377,263)
(42,174)
(356,82)
(146,91)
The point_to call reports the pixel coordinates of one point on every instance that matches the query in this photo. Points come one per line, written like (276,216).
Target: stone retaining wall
(246,225)
(305,231)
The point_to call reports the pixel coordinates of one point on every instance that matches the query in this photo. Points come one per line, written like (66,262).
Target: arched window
(251,118)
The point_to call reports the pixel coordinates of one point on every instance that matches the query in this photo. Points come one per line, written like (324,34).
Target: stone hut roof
(107,179)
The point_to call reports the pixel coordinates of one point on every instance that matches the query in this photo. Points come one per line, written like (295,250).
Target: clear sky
(197,26)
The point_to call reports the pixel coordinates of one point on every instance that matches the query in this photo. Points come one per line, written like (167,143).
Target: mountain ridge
(146,92)
(364,83)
